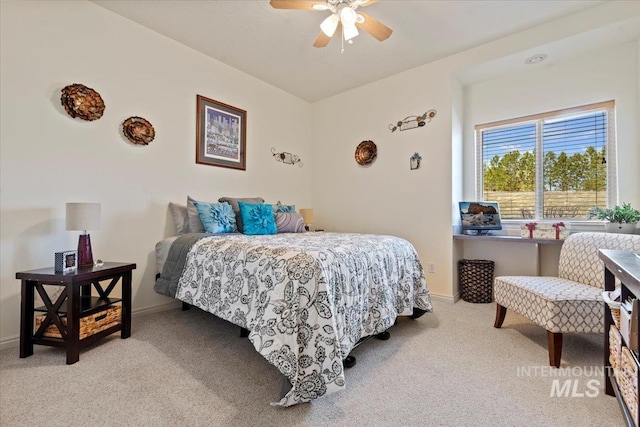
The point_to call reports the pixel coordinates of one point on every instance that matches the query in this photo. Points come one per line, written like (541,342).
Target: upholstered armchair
(571,302)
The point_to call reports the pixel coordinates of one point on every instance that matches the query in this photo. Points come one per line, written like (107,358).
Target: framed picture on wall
(221,138)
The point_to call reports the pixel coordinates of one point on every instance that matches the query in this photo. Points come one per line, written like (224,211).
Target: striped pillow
(289,222)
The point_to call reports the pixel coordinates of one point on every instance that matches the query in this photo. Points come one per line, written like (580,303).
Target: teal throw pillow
(258,218)
(217,217)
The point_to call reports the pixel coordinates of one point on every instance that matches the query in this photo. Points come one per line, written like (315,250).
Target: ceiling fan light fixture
(348,17)
(349,32)
(329,25)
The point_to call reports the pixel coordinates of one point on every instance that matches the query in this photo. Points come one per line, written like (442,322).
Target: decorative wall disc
(138,130)
(82,102)
(366,152)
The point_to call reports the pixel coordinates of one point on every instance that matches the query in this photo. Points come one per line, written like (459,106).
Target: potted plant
(620,219)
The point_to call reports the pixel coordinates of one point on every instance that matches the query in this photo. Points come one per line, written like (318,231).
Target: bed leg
(383,336)
(286,386)
(244,332)
(185,306)
(349,362)
(417,312)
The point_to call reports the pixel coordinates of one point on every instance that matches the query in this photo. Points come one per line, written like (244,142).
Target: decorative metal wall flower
(82,102)
(138,130)
(412,122)
(288,158)
(366,152)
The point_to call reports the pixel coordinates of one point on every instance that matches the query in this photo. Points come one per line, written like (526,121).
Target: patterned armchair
(571,302)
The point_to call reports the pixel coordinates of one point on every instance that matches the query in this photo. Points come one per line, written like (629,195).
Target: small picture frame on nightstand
(66,262)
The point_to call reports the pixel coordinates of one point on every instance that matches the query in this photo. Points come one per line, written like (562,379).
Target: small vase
(620,227)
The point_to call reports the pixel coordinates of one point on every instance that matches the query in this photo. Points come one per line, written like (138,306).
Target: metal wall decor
(414,161)
(366,152)
(288,158)
(412,122)
(82,102)
(138,130)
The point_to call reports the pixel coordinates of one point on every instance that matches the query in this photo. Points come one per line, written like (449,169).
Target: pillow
(257,218)
(217,217)
(180,217)
(279,207)
(289,222)
(233,201)
(195,224)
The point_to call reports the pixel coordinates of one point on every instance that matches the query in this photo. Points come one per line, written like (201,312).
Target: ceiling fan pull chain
(342,40)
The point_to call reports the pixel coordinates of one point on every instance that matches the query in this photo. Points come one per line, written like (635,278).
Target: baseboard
(445,298)
(14,342)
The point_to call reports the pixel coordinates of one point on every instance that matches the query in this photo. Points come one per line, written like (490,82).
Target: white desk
(503,250)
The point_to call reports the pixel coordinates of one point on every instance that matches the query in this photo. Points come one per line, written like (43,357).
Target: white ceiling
(276,45)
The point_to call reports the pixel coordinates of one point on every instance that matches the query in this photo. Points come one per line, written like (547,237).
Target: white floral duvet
(306,298)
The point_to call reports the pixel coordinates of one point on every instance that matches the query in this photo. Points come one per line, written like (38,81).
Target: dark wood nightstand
(60,323)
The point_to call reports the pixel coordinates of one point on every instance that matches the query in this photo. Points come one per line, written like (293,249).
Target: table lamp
(83,217)
(307,217)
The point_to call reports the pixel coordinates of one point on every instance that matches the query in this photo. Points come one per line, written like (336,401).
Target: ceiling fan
(343,14)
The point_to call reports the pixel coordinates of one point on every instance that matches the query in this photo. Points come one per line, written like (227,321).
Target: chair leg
(501,312)
(554,341)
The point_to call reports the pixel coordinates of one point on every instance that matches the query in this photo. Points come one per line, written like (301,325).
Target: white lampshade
(329,25)
(350,32)
(83,216)
(348,17)
(307,215)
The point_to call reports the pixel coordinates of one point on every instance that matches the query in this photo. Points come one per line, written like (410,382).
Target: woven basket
(476,280)
(628,382)
(89,325)
(614,306)
(615,347)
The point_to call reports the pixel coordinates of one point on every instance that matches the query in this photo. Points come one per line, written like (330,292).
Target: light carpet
(450,367)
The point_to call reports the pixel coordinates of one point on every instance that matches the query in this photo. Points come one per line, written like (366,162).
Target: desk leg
(26,318)
(126,305)
(73,324)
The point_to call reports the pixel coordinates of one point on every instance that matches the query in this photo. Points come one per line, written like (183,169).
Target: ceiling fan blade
(376,28)
(322,40)
(295,4)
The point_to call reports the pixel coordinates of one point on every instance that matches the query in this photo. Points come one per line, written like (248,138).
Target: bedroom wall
(387,197)
(602,75)
(48,158)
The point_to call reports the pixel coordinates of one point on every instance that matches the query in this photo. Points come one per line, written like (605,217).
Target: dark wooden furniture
(625,266)
(74,302)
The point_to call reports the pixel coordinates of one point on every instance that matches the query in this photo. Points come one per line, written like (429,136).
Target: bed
(306,299)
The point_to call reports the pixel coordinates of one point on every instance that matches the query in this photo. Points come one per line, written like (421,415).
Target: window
(559,164)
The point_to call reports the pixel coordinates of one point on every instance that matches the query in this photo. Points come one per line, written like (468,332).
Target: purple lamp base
(85,257)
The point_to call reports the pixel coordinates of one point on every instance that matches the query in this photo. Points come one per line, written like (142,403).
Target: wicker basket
(628,382)
(476,280)
(89,325)
(614,306)
(615,347)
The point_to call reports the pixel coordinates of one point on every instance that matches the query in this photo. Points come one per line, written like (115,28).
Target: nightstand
(76,318)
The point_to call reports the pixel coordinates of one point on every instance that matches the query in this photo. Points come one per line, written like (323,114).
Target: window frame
(608,107)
